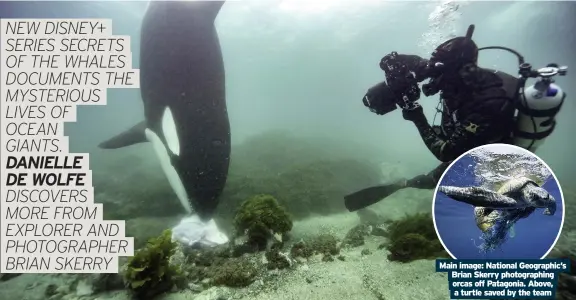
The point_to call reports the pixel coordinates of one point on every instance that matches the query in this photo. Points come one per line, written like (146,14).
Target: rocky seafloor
(308,177)
(359,271)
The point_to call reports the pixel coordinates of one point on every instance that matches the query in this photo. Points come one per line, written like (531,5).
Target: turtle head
(539,197)
(551,208)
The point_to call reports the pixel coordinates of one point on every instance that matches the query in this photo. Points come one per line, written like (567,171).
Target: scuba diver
(496,213)
(479,106)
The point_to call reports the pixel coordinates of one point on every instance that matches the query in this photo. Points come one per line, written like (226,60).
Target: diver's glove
(414,114)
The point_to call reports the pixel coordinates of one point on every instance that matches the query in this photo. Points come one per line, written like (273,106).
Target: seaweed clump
(236,272)
(325,244)
(261,217)
(356,236)
(412,238)
(149,272)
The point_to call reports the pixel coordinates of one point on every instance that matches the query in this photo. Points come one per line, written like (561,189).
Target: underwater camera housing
(380,99)
(400,88)
(401,85)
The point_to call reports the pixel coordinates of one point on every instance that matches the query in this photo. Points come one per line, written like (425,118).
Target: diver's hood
(448,59)
(454,53)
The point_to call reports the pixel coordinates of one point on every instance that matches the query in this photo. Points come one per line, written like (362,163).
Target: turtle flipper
(478,196)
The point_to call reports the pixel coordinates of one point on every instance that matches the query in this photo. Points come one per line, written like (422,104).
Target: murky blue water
(534,235)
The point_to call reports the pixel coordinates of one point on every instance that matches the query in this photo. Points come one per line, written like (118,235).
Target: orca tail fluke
(135,135)
(191,231)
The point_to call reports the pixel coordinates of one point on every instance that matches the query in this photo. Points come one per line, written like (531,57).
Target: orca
(182,86)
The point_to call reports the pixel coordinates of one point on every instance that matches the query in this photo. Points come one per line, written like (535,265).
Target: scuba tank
(537,105)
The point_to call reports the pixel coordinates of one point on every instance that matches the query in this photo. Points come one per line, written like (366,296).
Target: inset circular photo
(498,201)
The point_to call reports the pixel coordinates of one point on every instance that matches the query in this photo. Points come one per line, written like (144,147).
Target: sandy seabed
(359,276)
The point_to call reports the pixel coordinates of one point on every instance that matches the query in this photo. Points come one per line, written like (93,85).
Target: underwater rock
(195,287)
(276,259)
(214,293)
(198,261)
(299,249)
(207,256)
(58,292)
(365,252)
(8,276)
(97,283)
(566,287)
(355,236)
(84,288)
(51,290)
(235,272)
(324,244)
(239,250)
(327,258)
(178,258)
(196,274)
(379,230)
(566,245)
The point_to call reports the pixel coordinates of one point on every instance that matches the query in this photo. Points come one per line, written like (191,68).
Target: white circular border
(488,146)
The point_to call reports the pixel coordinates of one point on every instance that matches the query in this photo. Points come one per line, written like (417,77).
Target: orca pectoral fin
(479,197)
(135,135)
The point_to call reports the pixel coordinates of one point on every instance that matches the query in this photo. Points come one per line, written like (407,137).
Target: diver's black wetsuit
(472,115)
(475,113)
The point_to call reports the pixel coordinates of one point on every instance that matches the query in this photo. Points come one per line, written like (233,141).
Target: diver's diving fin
(369,196)
(134,135)
(479,197)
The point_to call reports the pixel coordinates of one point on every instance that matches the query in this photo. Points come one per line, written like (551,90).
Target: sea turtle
(517,197)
